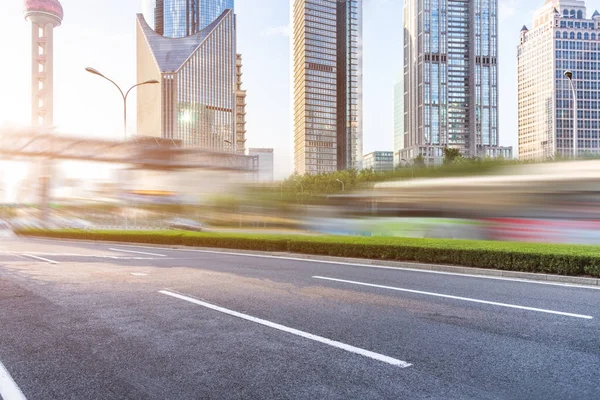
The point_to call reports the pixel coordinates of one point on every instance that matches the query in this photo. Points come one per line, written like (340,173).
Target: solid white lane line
(138,252)
(493,303)
(333,343)
(423,271)
(139,274)
(8,388)
(42,259)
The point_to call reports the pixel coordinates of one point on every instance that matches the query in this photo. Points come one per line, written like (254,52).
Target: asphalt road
(105,321)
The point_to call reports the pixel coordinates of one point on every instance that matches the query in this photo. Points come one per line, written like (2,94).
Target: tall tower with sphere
(44,16)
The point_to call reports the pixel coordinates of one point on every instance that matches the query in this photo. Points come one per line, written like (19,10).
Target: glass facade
(379,161)
(398,120)
(327,68)
(562,33)
(450,77)
(198,88)
(180,18)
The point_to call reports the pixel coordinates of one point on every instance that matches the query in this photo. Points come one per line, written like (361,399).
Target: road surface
(106,321)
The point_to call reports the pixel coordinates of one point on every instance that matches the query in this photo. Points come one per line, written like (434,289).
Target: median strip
(492,303)
(305,335)
(571,260)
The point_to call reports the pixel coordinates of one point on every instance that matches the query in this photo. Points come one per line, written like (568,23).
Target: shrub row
(571,260)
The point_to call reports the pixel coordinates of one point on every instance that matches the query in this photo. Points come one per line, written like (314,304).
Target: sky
(101,34)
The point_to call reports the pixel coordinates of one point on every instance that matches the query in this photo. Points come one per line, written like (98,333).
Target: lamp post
(124,95)
(301,185)
(343,185)
(569,75)
(412,167)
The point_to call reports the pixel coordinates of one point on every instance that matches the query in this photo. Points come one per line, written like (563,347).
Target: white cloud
(283,30)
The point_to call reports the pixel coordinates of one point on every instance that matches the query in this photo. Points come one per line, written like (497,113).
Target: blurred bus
(553,202)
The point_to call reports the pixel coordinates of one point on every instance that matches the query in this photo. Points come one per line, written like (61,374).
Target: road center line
(333,343)
(8,388)
(42,259)
(138,252)
(493,303)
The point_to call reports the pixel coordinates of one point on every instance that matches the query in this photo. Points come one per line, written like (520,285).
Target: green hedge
(526,257)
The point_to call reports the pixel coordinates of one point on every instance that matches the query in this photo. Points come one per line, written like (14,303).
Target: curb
(527,276)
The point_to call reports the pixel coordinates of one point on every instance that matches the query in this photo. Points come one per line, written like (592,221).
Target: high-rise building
(266,166)
(398,120)
(240,131)
(562,39)
(327,85)
(181,18)
(196,101)
(379,161)
(451,78)
(44,16)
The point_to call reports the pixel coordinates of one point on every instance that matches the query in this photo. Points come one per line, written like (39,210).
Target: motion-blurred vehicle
(553,203)
(185,225)
(5,227)
(77,223)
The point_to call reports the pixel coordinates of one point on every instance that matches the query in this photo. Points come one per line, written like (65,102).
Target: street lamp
(569,75)
(343,186)
(301,185)
(124,95)
(412,167)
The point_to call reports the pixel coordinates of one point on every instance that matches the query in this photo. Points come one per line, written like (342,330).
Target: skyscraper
(240,104)
(562,39)
(44,16)
(195,102)
(451,78)
(327,85)
(398,120)
(180,18)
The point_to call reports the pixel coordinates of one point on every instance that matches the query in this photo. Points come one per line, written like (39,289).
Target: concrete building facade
(451,78)
(44,16)
(240,103)
(327,85)
(562,38)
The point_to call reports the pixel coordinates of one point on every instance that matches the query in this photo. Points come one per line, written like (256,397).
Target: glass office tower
(398,120)
(451,78)
(200,101)
(180,18)
(561,38)
(327,80)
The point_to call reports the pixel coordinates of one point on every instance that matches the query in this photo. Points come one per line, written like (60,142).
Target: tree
(419,161)
(451,155)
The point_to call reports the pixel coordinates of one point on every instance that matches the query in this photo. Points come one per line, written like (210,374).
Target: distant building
(398,120)
(562,39)
(192,53)
(379,161)
(266,167)
(451,79)
(327,85)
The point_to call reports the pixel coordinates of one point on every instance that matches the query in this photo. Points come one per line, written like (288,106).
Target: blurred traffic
(555,202)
